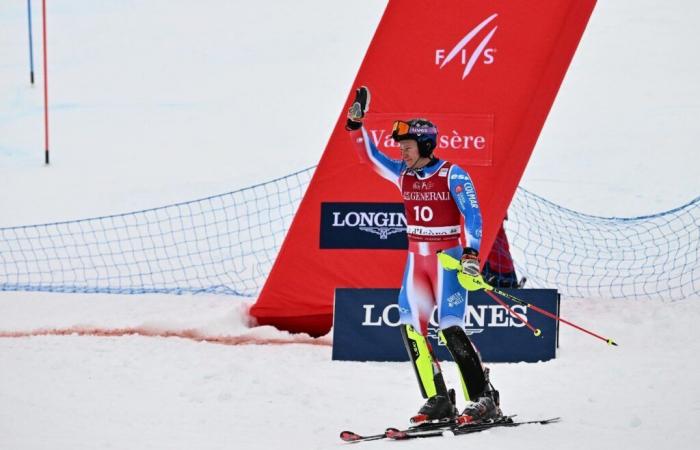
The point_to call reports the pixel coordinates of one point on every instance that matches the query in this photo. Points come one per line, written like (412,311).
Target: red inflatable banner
(486,73)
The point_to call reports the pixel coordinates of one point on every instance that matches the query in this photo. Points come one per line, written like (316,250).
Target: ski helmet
(420,130)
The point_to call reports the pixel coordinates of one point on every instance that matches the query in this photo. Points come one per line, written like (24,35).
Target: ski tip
(349,436)
(611,342)
(552,420)
(393,433)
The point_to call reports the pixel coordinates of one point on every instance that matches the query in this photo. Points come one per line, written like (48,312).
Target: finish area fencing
(227,244)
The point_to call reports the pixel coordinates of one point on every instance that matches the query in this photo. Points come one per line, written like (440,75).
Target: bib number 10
(423,213)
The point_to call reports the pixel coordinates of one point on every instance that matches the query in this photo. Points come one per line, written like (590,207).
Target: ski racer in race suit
(436,193)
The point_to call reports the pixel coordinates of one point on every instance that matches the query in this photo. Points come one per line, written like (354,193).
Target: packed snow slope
(163,101)
(79,392)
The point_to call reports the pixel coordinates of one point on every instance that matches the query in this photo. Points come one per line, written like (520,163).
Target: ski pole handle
(477,283)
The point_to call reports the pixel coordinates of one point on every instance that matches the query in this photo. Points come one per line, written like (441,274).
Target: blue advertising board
(366,321)
(363,225)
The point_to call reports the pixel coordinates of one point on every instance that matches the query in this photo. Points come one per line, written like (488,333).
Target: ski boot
(485,408)
(438,408)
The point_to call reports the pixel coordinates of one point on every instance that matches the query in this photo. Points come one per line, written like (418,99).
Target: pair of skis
(441,429)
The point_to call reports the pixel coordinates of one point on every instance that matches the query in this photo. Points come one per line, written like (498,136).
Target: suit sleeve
(384,166)
(464,195)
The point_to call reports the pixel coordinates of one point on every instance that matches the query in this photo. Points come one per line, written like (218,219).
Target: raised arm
(384,166)
(367,151)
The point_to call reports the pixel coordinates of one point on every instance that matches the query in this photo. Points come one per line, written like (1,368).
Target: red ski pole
(537,331)
(476,283)
(550,315)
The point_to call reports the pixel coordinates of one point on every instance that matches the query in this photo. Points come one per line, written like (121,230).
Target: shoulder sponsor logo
(467,188)
(443,172)
(460,52)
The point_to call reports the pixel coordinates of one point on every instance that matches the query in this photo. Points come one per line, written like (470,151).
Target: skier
(435,193)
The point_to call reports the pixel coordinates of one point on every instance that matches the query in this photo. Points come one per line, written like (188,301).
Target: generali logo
(466,54)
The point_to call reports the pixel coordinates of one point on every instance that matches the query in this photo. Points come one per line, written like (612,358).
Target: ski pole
(536,331)
(475,283)
(550,315)
(472,283)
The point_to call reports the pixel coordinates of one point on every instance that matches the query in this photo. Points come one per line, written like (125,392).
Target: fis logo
(460,52)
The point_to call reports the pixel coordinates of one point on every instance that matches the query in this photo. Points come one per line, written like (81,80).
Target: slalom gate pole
(46,88)
(31,42)
(550,315)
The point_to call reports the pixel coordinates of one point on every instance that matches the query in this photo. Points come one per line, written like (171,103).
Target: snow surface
(163,101)
(77,392)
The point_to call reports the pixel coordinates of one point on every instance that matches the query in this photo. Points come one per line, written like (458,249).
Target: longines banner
(363,225)
(365,327)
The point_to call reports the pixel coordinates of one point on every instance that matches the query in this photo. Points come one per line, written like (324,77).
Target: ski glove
(470,262)
(358,109)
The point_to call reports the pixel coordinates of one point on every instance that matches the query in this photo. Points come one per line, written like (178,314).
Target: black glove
(470,262)
(358,109)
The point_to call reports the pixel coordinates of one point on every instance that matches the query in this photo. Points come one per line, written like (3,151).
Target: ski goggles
(403,130)
(400,129)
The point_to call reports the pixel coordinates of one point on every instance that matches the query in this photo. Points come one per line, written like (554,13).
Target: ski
(351,436)
(415,432)
(466,429)
(440,429)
